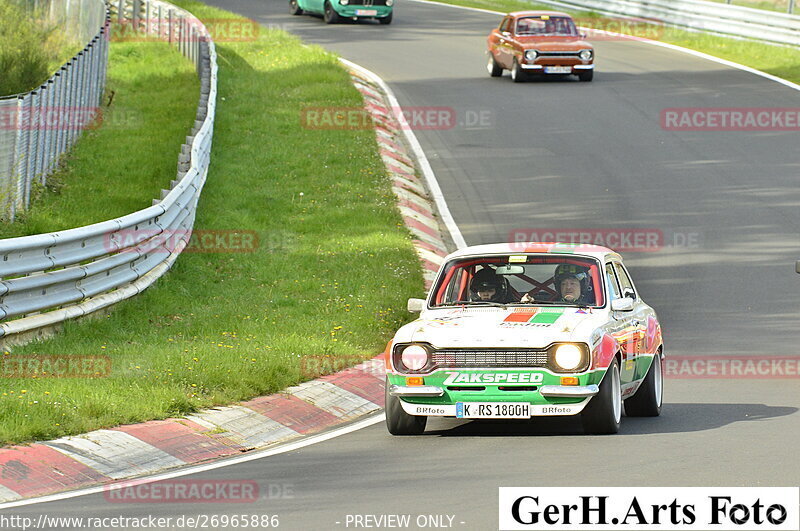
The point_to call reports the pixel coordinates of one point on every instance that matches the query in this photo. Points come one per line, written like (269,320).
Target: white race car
(513,331)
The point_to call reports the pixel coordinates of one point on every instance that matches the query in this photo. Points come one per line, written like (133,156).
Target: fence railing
(48,278)
(725,19)
(37,127)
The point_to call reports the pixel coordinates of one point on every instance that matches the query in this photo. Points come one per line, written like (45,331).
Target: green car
(334,11)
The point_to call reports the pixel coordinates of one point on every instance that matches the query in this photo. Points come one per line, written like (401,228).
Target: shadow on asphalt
(675,418)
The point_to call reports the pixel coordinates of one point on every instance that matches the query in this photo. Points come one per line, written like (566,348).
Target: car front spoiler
(541,67)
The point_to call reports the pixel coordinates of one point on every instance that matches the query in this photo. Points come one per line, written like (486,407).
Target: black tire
(330,15)
(398,422)
(387,19)
(517,74)
(586,75)
(603,413)
(494,69)
(647,400)
(294,9)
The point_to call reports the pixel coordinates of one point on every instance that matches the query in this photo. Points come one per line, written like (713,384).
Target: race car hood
(554,44)
(528,327)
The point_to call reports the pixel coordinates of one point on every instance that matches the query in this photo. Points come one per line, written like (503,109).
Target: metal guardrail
(48,278)
(37,127)
(725,19)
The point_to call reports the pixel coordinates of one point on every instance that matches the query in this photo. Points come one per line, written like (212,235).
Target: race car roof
(595,251)
(517,14)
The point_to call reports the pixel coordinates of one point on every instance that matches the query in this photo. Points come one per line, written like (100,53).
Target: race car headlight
(531,55)
(344,2)
(414,357)
(568,357)
(389,3)
(585,55)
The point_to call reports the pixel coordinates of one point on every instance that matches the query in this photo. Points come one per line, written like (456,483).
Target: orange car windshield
(546,26)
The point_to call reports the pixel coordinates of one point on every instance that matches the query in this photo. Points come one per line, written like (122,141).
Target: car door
(638,323)
(505,41)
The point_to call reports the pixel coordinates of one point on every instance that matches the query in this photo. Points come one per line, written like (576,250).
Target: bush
(30,49)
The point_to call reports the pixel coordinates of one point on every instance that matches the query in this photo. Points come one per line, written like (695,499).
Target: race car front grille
(489,358)
(558,54)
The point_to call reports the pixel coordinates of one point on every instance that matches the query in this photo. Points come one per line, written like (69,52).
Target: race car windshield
(520,280)
(546,26)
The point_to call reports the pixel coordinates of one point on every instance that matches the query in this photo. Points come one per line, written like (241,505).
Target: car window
(545,25)
(624,279)
(514,276)
(506,24)
(613,286)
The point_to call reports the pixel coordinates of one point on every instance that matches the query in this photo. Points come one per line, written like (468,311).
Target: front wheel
(294,8)
(387,19)
(517,74)
(494,69)
(330,15)
(398,422)
(604,411)
(586,75)
(647,400)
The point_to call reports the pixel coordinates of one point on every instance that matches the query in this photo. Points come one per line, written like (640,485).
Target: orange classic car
(539,42)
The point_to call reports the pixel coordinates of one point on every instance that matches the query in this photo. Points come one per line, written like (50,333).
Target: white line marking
(673,47)
(422,160)
(251,456)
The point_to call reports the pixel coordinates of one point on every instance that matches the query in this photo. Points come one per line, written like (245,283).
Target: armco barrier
(757,24)
(48,278)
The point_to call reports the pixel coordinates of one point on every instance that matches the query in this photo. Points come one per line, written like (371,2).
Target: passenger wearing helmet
(571,283)
(488,286)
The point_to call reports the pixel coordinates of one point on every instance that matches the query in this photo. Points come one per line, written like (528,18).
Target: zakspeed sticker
(494,378)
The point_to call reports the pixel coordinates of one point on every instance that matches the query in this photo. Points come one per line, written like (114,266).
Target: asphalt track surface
(563,154)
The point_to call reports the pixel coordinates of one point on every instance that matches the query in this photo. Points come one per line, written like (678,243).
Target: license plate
(366,12)
(558,70)
(493,410)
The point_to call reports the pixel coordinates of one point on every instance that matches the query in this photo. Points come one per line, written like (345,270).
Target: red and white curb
(105,456)
(416,204)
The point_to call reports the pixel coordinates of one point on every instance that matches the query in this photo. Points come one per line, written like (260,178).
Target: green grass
(120,167)
(777,60)
(31,49)
(330,276)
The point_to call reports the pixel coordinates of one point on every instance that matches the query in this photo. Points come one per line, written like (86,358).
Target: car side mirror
(797,266)
(416,305)
(622,305)
(505,33)
(583,35)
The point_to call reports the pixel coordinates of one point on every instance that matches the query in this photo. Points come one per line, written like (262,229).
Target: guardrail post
(170,21)
(33,153)
(791,6)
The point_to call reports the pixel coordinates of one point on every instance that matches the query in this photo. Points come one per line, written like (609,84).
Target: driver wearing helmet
(488,286)
(571,283)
